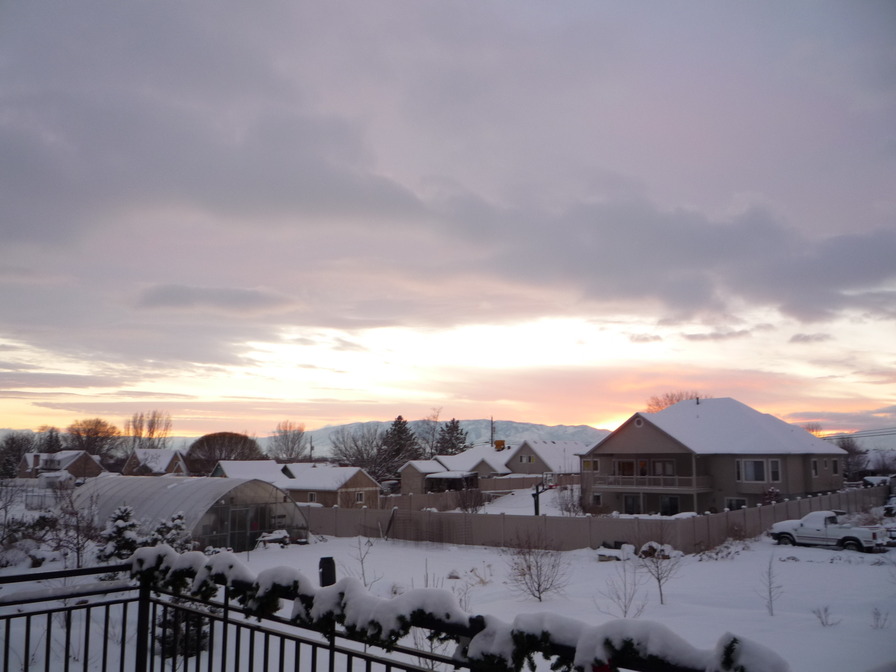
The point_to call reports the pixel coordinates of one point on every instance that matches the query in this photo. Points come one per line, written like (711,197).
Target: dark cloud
(810,338)
(228,300)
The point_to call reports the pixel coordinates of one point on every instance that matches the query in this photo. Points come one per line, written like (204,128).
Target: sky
(540,212)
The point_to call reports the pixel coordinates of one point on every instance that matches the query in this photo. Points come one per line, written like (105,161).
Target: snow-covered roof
(64,458)
(726,426)
(263,470)
(424,466)
(452,474)
(313,476)
(155,459)
(560,456)
(469,459)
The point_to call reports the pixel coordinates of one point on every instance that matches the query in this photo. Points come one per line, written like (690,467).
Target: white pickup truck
(823,528)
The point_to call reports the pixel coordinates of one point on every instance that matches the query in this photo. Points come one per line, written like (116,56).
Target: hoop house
(220,512)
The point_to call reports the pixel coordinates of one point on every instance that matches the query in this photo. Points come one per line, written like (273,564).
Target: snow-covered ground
(722,591)
(712,594)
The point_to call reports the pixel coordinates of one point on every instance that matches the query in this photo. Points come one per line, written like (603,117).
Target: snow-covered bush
(120,538)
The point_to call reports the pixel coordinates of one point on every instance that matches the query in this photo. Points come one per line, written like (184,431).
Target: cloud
(228,300)
(810,338)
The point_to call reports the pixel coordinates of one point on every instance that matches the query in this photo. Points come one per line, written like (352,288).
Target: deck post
(143,627)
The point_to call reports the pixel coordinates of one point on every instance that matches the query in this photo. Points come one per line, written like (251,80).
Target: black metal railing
(71,621)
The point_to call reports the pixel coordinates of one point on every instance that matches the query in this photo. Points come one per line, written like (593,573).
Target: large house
(457,472)
(705,455)
(74,463)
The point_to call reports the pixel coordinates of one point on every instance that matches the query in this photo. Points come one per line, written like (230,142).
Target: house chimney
(698,401)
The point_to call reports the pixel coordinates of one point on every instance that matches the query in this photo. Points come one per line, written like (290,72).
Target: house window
(835,466)
(664,467)
(312,496)
(597,499)
(359,497)
(526,459)
(586,465)
(595,465)
(774,469)
(815,467)
(735,503)
(750,471)
(669,505)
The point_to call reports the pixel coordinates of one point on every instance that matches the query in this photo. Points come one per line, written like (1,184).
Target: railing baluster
(27,657)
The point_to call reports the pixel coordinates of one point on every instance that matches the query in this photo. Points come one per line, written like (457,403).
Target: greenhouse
(220,512)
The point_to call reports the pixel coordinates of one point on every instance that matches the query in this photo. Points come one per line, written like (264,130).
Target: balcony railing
(657,483)
(69,621)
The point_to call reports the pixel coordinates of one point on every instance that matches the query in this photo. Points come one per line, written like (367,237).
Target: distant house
(457,472)
(155,462)
(76,463)
(345,487)
(705,455)
(309,483)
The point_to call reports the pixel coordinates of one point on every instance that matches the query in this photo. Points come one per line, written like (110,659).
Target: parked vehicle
(823,528)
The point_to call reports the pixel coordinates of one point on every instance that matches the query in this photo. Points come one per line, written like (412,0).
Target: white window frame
(312,497)
(597,499)
(359,498)
(774,471)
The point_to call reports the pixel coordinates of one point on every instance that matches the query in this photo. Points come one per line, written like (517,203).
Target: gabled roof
(424,466)
(727,427)
(65,458)
(469,459)
(321,477)
(157,460)
(560,456)
(263,470)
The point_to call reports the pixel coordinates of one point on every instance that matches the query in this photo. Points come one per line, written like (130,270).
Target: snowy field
(707,598)
(712,594)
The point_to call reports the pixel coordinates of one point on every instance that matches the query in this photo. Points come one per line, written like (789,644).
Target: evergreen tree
(12,448)
(172,532)
(452,439)
(119,539)
(399,446)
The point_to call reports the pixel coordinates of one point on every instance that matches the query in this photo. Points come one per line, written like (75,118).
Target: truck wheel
(786,540)
(852,545)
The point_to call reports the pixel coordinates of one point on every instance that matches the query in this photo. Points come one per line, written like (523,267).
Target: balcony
(653,483)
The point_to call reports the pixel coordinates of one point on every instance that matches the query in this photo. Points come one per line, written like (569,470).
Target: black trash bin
(327,571)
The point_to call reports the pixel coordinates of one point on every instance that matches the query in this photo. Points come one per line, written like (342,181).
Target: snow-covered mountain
(478,432)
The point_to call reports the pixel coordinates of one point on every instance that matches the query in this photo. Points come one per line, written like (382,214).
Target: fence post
(143,626)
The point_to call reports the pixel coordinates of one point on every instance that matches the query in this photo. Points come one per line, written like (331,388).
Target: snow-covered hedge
(483,640)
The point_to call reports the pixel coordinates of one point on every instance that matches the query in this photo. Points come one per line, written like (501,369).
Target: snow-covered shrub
(119,539)
(273,584)
(172,532)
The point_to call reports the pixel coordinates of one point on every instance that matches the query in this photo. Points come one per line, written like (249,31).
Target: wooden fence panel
(694,534)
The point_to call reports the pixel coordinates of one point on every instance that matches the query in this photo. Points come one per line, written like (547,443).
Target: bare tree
(813,428)
(659,402)
(856,460)
(360,447)
(569,500)
(884,461)
(206,451)
(771,589)
(428,432)
(536,566)
(288,442)
(469,500)
(76,530)
(94,435)
(661,562)
(624,590)
(147,430)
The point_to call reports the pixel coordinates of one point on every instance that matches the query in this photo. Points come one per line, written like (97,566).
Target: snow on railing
(483,642)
